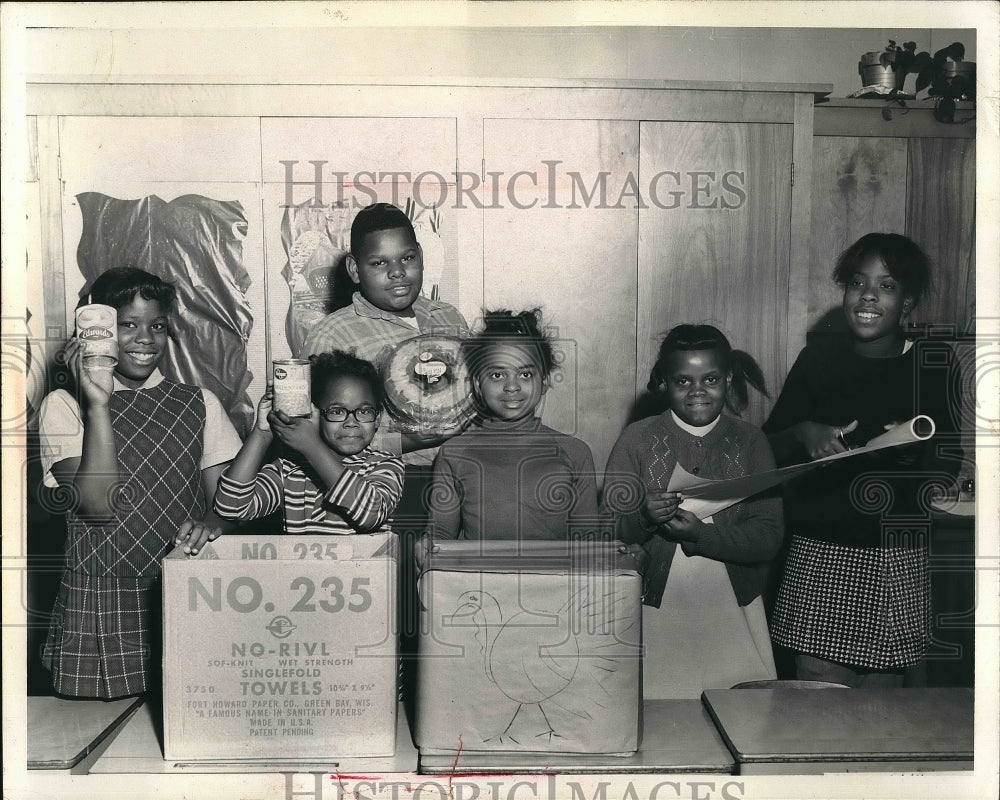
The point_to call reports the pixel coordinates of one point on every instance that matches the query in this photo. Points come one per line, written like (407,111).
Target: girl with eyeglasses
(329,480)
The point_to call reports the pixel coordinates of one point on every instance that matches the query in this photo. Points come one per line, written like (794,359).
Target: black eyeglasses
(340,414)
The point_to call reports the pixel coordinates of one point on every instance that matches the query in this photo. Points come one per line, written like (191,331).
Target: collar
(154,379)
(526,425)
(363,308)
(694,430)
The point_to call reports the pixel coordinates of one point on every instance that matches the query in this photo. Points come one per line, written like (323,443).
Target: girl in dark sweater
(703,616)
(854,599)
(509,476)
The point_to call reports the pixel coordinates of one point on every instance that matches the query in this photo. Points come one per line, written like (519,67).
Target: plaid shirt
(371,333)
(361,501)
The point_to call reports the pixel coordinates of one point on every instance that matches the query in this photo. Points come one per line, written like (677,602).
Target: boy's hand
(821,440)
(194,534)
(96,380)
(299,433)
(422,549)
(661,507)
(684,527)
(264,409)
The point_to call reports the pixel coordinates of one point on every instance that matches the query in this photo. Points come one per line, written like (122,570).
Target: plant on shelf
(948,77)
(889,68)
(945,75)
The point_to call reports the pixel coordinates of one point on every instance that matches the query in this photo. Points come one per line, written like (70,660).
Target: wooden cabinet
(621,208)
(722,255)
(908,174)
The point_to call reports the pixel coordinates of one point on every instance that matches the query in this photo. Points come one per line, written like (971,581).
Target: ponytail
(745,371)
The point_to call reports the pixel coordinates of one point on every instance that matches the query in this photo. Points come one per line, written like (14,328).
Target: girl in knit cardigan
(703,615)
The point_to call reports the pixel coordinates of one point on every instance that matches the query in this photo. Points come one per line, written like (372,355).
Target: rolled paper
(705,497)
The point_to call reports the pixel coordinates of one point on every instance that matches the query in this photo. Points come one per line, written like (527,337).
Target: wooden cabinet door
(859,186)
(714,240)
(941,218)
(921,186)
(576,258)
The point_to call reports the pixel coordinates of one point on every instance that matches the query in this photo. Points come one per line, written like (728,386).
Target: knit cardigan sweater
(745,537)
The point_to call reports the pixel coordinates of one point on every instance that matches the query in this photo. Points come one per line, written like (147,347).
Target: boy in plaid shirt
(386,262)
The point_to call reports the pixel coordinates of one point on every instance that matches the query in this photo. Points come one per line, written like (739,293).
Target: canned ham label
(291,387)
(97,330)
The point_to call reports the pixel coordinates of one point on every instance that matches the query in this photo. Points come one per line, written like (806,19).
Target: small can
(291,387)
(97,330)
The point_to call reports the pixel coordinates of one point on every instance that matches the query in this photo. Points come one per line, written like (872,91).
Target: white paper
(705,497)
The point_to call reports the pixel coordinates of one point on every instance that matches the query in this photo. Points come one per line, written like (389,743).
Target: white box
(280,647)
(530,647)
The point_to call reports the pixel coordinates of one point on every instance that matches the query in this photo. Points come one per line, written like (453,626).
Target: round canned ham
(97,330)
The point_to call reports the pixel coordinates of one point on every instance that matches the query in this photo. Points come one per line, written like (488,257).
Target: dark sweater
(522,480)
(745,536)
(850,503)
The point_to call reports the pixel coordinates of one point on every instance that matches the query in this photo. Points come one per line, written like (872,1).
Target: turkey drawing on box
(196,244)
(529,661)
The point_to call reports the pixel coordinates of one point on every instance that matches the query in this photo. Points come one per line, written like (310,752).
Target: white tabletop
(677,736)
(791,728)
(61,732)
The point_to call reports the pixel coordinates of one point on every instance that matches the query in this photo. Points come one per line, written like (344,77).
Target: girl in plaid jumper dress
(703,615)
(854,601)
(136,457)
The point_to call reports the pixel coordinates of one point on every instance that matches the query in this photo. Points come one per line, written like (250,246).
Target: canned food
(97,330)
(291,387)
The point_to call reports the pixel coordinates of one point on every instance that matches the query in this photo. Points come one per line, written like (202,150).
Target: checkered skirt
(103,640)
(867,607)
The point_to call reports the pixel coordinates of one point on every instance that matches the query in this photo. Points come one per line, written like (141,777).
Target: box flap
(530,556)
(252,547)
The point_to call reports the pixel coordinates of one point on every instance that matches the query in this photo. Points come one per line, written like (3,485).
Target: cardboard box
(529,647)
(281,647)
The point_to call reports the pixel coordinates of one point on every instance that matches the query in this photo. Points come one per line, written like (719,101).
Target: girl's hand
(660,507)
(194,534)
(684,527)
(422,548)
(96,382)
(299,433)
(821,440)
(264,409)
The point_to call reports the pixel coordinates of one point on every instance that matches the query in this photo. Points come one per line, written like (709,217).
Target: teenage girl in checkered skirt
(703,616)
(854,598)
(139,457)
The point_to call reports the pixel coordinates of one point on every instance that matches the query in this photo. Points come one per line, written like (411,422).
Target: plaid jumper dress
(103,639)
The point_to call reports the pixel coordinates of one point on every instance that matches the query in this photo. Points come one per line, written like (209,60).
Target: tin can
(291,387)
(97,330)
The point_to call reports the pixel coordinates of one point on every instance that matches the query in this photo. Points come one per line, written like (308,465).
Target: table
(62,732)
(678,736)
(789,731)
(139,749)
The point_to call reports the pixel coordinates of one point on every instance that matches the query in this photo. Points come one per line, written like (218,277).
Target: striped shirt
(361,501)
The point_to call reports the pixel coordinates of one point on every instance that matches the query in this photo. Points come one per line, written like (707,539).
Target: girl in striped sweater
(331,481)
